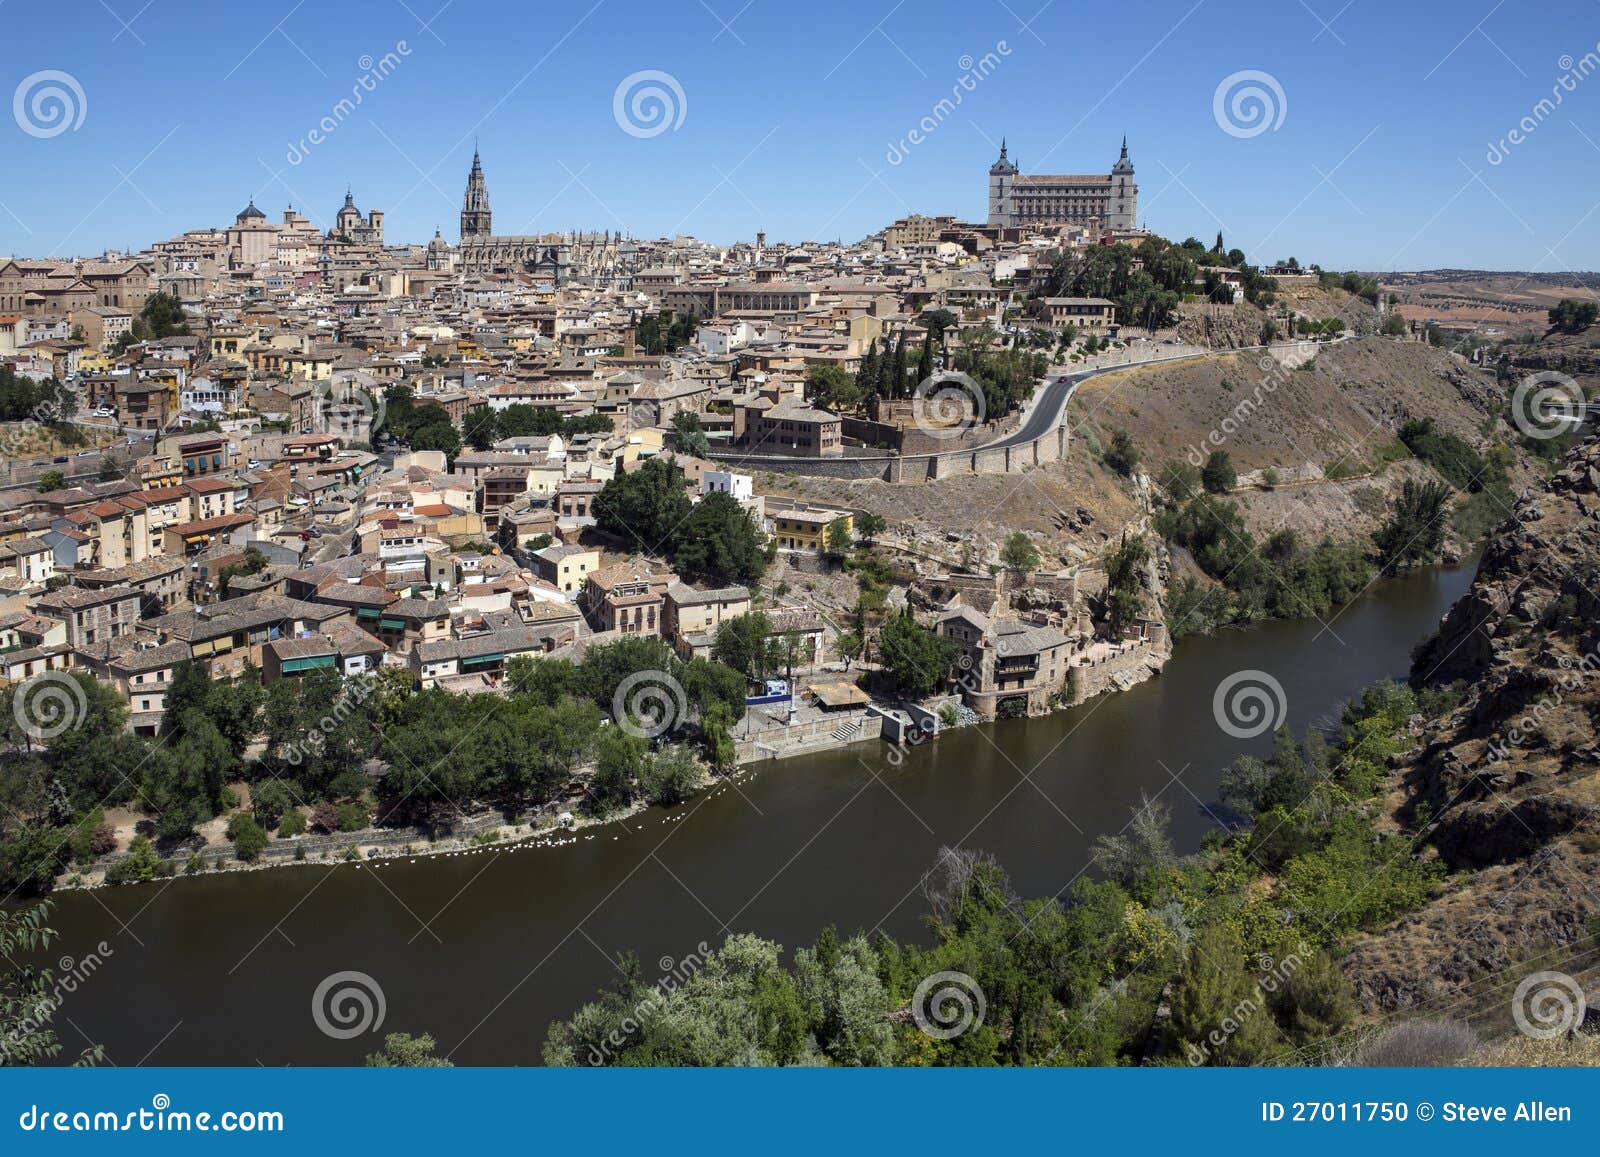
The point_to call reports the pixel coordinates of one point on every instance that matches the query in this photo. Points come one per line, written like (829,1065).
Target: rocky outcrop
(1506,787)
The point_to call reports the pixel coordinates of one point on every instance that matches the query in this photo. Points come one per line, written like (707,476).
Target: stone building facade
(1017,200)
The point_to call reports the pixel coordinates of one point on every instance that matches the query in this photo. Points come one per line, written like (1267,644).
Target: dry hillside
(1507,785)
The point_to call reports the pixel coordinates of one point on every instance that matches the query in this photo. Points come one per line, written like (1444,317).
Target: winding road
(1049,410)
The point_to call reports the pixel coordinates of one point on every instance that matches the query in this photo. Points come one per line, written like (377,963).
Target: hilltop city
(274,451)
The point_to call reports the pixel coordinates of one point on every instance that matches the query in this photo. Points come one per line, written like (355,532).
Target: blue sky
(795,118)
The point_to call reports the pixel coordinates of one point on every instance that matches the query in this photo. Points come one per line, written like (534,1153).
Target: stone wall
(1051,446)
(1119,672)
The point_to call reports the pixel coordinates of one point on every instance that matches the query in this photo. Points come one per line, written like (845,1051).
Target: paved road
(1051,408)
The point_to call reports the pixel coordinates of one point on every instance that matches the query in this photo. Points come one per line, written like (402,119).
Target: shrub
(1418,1044)
(141,863)
(249,838)
(293,823)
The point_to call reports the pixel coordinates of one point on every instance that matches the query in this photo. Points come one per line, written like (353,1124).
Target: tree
(401,1050)
(270,800)
(1019,553)
(691,437)
(849,646)
(1218,475)
(621,763)
(1572,316)
(1124,589)
(29,997)
(253,562)
(833,387)
(918,658)
(1216,992)
(1142,848)
(438,436)
(1415,529)
(869,526)
(838,537)
(743,643)
(670,776)
(716,729)
(646,506)
(1122,455)
(249,838)
(479,427)
(718,540)
(51,480)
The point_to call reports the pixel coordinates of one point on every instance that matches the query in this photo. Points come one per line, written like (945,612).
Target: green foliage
(401,1050)
(1218,475)
(248,837)
(1572,316)
(644,507)
(664,332)
(29,996)
(919,659)
(1124,596)
(719,542)
(51,480)
(621,761)
(1019,553)
(1353,283)
(1281,578)
(292,823)
(1121,455)
(142,863)
(1415,529)
(834,388)
(160,317)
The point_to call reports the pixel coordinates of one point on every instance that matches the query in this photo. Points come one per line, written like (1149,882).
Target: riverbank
(839,837)
(564,823)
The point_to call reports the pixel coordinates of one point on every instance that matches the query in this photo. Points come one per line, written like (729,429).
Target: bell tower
(475,215)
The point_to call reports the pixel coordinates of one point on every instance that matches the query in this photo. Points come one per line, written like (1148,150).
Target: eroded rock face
(1508,784)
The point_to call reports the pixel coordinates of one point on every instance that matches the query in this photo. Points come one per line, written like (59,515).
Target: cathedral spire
(475,216)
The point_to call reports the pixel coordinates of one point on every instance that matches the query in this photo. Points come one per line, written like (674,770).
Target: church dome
(250,213)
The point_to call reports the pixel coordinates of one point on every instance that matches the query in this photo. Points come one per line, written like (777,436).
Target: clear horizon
(1357,137)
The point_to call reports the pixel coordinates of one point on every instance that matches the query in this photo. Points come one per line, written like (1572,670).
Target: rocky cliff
(1505,787)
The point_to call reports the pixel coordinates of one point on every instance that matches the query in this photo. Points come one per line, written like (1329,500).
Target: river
(484,949)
